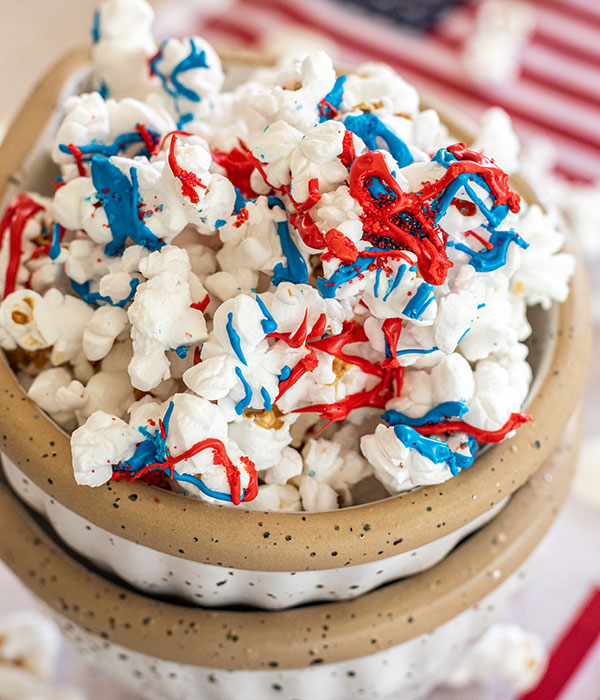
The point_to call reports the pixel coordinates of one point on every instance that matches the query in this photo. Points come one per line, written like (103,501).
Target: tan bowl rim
(313,634)
(275,541)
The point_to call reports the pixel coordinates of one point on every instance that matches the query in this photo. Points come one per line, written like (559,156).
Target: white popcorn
(544,272)
(90,120)
(26,321)
(29,647)
(70,316)
(300,87)
(56,393)
(374,83)
(317,495)
(492,51)
(123,37)
(30,641)
(101,331)
(262,437)
(161,317)
(193,421)
(294,157)
(284,497)
(200,196)
(326,462)
(102,441)
(250,244)
(400,466)
(288,467)
(189,72)
(497,139)
(505,652)
(500,389)
(107,391)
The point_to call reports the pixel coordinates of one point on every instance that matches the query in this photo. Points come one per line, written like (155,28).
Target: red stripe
(378,52)
(573,176)
(570,10)
(570,651)
(556,83)
(224,25)
(555,43)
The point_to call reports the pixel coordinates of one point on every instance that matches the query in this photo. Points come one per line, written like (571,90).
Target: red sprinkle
(240,218)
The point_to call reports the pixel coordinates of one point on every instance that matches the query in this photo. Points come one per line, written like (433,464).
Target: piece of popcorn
(161,316)
(103,440)
(102,329)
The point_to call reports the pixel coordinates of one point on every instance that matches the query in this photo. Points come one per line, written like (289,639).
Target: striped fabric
(557,94)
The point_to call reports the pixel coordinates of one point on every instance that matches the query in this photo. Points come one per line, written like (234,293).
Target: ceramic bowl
(162,542)
(398,641)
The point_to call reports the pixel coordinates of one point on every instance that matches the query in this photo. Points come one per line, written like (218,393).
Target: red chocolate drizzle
(189,180)
(21,209)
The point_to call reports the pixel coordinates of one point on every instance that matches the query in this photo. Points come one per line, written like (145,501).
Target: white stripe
(558,67)
(571,30)
(571,156)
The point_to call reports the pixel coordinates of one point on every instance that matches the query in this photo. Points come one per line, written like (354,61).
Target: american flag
(555,96)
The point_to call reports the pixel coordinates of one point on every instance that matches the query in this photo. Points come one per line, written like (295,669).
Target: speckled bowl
(218,555)
(398,641)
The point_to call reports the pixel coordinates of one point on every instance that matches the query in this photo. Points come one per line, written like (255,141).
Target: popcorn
(95,126)
(122,36)
(26,322)
(492,51)
(55,392)
(267,295)
(161,316)
(297,92)
(283,497)
(29,648)
(402,459)
(505,652)
(189,71)
(96,445)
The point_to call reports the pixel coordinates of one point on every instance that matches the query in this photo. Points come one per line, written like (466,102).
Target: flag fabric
(556,95)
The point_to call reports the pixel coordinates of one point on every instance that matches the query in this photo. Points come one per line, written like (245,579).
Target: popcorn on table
(268,294)
(29,647)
